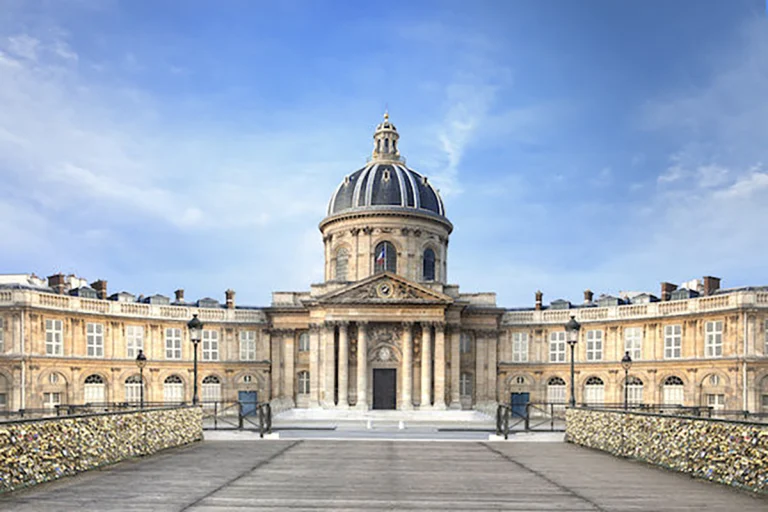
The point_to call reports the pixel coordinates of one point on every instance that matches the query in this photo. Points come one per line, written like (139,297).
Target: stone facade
(35,451)
(728,452)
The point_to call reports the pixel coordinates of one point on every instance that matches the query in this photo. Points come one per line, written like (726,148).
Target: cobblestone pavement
(299,475)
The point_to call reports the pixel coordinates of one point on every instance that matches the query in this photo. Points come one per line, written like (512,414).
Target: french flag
(380,258)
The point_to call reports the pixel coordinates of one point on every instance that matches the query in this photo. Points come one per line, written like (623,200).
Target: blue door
(519,401)
(248,401)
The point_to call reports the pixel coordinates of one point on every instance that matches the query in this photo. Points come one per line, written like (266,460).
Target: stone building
(384,330)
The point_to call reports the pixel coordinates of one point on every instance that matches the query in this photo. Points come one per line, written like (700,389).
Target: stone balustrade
(729,452)
(35,451)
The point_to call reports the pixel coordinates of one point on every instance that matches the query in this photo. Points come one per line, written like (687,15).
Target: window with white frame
(556,390)
(673,391)
(673,341)
(716,401)
(557,347)
(94,390)
(465,343)
(51,400)
(173,389)
(634,391)
(211,391)
(53,337)
(304,342)
(594,391)
(133,389)
(303,381)
(210,345)
(134,340)
(465,384)
(94,337)
(595,345)
(520,347)
(53,378)
(633,342)
(173,343)
(2,335)
(713,340)
(247,345)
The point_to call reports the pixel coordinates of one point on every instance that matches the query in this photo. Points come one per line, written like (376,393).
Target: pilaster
(439,366)
(455,335)
(362,366)
(426,366)
(407,402)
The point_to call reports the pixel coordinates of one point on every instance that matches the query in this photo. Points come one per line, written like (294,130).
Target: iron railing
(503,416)
(237,415)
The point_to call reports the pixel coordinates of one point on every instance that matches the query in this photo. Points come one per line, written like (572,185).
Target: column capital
(362,323)
(407,323)
(315,327)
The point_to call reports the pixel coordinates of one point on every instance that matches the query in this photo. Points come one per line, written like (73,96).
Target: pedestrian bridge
(349,475)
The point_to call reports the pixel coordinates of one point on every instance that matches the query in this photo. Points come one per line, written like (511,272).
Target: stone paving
(300,475)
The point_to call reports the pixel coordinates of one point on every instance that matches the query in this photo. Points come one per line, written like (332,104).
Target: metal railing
(87,408)
(237,415)
(503,416)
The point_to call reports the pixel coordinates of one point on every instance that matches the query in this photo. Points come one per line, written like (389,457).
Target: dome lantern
(385,141)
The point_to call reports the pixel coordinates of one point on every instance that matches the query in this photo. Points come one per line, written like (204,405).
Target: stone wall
(730,452)
(36,451)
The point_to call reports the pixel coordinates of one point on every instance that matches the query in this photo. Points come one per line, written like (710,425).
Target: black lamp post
(195,335)
(626,363)
(141,362)
(572,336)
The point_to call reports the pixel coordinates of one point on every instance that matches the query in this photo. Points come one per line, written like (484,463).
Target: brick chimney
(588,296)
(57,282)
(667,289)
(179,295)
(101,288)
(711,285)
(230,294)
(539,297)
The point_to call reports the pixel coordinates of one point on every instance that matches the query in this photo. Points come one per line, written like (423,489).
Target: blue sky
(593,144)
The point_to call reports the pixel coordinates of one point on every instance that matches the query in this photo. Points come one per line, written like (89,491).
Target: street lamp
(572,336)
(195,335)
(141,362)
(626,363)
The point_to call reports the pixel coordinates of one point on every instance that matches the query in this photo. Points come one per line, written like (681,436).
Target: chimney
(57,282)
(539,297)
(711,285)
(179,295)
(588,296)
(101,288)
(666,290)
(230,294)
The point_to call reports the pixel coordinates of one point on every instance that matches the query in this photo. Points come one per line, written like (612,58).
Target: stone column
(343,366)
(314,365)
(288,391)
(407,402)
(362,366)
(491,374)
(480,350)
(426,366)
(440,366)
(329,364)
(455,367)
(274,357)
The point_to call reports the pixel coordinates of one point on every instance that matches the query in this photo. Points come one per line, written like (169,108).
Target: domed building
(384,330)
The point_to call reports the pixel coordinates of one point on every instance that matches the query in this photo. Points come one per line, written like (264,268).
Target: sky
(593,144)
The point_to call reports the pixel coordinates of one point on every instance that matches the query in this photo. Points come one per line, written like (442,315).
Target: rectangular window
(520,347)
(94,334)
(713,342)
(465,343)
(172,343)
(2,336)
(51,400)
(3,400)
(210,345)
(716,402)
(465,385)
(635,394)
(247,345)
(673,341)
(595,345)
(765,403)
(633,342)
(134,340)
(557,347)
(53,337)
(304,342)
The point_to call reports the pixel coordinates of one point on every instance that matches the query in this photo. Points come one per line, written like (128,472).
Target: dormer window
(385,175)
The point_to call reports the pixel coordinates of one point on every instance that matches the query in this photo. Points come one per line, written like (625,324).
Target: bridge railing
(237,415)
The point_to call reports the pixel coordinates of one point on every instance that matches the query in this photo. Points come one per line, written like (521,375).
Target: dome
(386,182)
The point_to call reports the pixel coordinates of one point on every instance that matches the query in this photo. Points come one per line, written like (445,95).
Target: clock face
(385,290)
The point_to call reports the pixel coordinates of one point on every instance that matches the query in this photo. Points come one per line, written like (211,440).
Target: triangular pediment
(385,288)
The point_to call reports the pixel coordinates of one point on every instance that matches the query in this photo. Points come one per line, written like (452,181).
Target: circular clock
(385,290)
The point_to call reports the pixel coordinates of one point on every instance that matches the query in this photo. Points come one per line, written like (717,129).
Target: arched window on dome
(385,258)
(342,264)
(428,271)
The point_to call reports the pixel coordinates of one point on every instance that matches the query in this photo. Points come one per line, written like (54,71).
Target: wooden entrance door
(384,388)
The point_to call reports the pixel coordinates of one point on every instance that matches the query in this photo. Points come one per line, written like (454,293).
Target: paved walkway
(380,475)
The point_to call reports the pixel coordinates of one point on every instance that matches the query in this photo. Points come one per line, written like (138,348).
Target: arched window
(342,264)
(429,265)
(133,389)
(465,384)
(385,257)
(634,391)
(594,391)
(95,390)
(303,381)
(673,391)
(555,390)
(211,390)
(173,389)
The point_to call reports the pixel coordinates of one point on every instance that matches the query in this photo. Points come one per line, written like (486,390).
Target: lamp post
(626,363)
(195,335)
(141,362)
(572,336)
